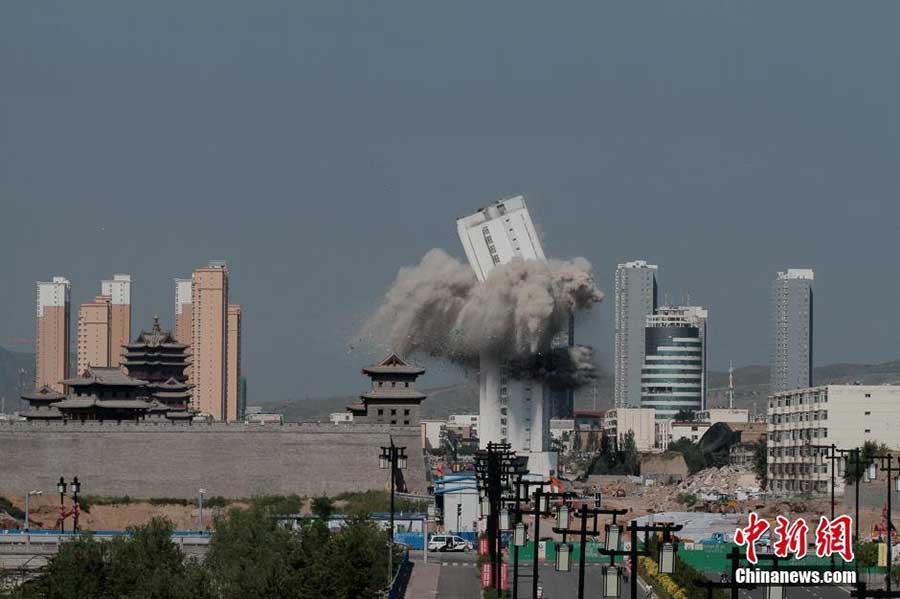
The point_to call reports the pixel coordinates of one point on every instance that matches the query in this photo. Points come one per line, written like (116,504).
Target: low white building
(670,431)
(340,417)
(804,423)
(458,495)
(714,415)
(640,421)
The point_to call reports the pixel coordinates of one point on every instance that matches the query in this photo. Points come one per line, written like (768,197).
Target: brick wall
(234,461)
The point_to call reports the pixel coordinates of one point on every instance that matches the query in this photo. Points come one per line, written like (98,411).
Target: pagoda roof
(45,393)
(106,375)
(393,364)
(51,414)
(93,402)
(156,337)
(393,393)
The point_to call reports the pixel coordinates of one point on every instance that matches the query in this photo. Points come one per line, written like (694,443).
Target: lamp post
(27,497)
(583,514)
(61,488)
(392,457)
(494,467)
(200,495)
(890,469)
(76,489)
(666,528)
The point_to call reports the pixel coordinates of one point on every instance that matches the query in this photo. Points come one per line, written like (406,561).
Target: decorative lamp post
(519,535)
(613,535)
(562,517)
(61,488)
(666,558)
(563,563)
(30,494)
(504,519)
(76,489)
(611,582)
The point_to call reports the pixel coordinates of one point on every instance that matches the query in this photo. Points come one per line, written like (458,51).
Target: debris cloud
(438,308)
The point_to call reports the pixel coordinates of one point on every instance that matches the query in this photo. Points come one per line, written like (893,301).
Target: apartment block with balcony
(804,423)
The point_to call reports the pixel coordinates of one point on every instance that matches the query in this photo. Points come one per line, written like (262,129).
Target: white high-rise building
(636,296)
(791,362)
(510,410)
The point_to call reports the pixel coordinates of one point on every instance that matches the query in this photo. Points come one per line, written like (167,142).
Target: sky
(319,146)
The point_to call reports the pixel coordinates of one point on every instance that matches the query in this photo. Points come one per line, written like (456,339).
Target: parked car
(448,543)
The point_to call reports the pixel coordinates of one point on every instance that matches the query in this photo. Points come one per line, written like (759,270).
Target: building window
(406,422)
(393,422)
(393,412)
(380,412)
(406,412)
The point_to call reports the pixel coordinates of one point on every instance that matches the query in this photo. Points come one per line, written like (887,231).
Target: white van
(448,543)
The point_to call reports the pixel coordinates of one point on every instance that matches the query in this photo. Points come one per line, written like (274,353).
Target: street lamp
(519,535)
(774,591)
(392,457)
(76,489)
(504,519)
(32,493)
(612,582)
(598,496)
(61,487)
(485,507)
(563,563)
(666,558)
(871,472)
(613,534)
(562,517)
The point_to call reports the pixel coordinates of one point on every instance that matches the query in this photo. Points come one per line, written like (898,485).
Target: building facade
(52,339)
(636,298)
(804,423)
(209,339)
(393,397)
(183,311)
(511,410)
(118,290)
(791,362)
(672,375)
(234,398)
(94,346)
(641,422)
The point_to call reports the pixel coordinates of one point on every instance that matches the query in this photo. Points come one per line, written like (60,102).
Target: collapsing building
(510,410)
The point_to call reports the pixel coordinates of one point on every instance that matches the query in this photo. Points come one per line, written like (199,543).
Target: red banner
(482,546)
(485,576)
(504,576)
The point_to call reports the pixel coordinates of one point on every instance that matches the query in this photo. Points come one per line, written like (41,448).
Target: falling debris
(438,308)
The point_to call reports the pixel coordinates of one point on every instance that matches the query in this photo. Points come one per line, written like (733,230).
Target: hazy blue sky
(318,146)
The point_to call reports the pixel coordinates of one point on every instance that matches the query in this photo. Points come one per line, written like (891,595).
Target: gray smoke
(438,308)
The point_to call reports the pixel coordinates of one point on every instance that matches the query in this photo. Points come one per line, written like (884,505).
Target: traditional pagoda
(41,402)
(103,393)
(393,398)
(160,360)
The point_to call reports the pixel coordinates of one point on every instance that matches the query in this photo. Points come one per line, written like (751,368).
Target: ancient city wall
(175,460)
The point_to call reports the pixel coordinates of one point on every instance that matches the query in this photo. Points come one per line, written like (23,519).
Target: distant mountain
(751,383)
(751,390)
(16,369)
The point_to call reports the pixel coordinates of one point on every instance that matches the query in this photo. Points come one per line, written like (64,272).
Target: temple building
(393,398)
(161,361)
(41,402)
(155,387)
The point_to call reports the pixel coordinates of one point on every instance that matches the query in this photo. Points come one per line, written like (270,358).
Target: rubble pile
(727,480)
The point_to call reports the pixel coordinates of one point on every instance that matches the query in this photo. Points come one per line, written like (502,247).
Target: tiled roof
(96,375)
(393,364)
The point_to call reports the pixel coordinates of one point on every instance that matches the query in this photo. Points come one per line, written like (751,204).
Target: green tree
(691,453)
(685,415)
(323,507)
(250,557)
(856,469)
(145,565)
(761,463)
